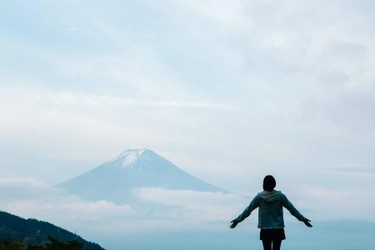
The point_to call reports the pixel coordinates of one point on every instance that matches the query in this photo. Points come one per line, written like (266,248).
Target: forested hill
(34,232)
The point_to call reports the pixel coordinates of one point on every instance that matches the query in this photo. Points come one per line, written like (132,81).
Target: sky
(229,91)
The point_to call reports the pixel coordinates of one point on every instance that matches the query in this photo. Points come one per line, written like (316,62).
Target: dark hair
(269,183)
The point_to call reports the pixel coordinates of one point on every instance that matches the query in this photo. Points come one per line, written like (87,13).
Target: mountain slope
(134,168)
(32,231)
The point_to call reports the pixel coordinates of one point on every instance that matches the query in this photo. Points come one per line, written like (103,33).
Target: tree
(35,247)
(58,245)
(11,245)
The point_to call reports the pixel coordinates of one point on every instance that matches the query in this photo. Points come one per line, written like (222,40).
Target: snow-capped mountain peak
(115,180)
(137,159)
(129,156)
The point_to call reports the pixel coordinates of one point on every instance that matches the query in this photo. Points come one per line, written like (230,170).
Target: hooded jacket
(270,213)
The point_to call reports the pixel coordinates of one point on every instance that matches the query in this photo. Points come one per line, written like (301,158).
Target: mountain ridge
(33,231)
(130,157)
(115,179)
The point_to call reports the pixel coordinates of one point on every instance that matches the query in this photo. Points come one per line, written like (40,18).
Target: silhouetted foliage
(53,244)
(35,247)
(35,233)
(58,245)
(7,244)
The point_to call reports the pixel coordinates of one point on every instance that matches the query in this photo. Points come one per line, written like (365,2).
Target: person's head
(269,183)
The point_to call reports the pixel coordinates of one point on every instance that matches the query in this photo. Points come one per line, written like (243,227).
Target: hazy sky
(227,90)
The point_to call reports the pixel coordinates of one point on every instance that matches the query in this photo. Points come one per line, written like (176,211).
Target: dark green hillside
(34,232)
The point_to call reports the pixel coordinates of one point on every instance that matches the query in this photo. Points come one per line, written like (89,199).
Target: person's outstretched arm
(246,213)
(288,205)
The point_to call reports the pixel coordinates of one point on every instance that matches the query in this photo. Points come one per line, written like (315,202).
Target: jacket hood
(270,195)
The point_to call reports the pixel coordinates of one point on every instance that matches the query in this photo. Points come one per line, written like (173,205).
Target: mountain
(134,168)
(32,231)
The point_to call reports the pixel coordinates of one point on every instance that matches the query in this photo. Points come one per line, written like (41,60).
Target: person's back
(270,214)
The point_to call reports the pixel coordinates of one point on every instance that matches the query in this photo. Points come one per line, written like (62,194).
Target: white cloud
(195,206)
(298,72)
(295,44)
(171,209)
(108,101)
(339,204)
(351,111)
(30,198)
(318,203)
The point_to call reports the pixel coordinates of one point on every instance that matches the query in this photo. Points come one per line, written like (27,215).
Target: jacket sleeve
(288,205)
(246,213)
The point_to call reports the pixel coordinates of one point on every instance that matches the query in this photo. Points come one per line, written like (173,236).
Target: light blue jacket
(270,214)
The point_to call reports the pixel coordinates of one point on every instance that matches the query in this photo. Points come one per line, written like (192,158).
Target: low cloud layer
(161,209)
(30,198)
(195,206)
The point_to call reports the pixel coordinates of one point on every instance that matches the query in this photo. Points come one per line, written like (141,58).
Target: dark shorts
(272,234)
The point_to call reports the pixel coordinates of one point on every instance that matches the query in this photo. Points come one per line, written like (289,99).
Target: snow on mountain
(137,160)
(134,168)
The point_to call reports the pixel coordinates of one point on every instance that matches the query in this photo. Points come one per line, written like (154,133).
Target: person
(270,214)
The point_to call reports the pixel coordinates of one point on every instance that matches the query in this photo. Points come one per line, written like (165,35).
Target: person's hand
(234,224)
(307,222)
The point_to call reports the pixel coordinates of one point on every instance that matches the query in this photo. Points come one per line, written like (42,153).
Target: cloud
(350,110)
(352,169)
(47,120)
(348,200)
(92,100)
(30,198)
(195,206)
(318,203)
(162,210)
(297,43)
(299,75)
